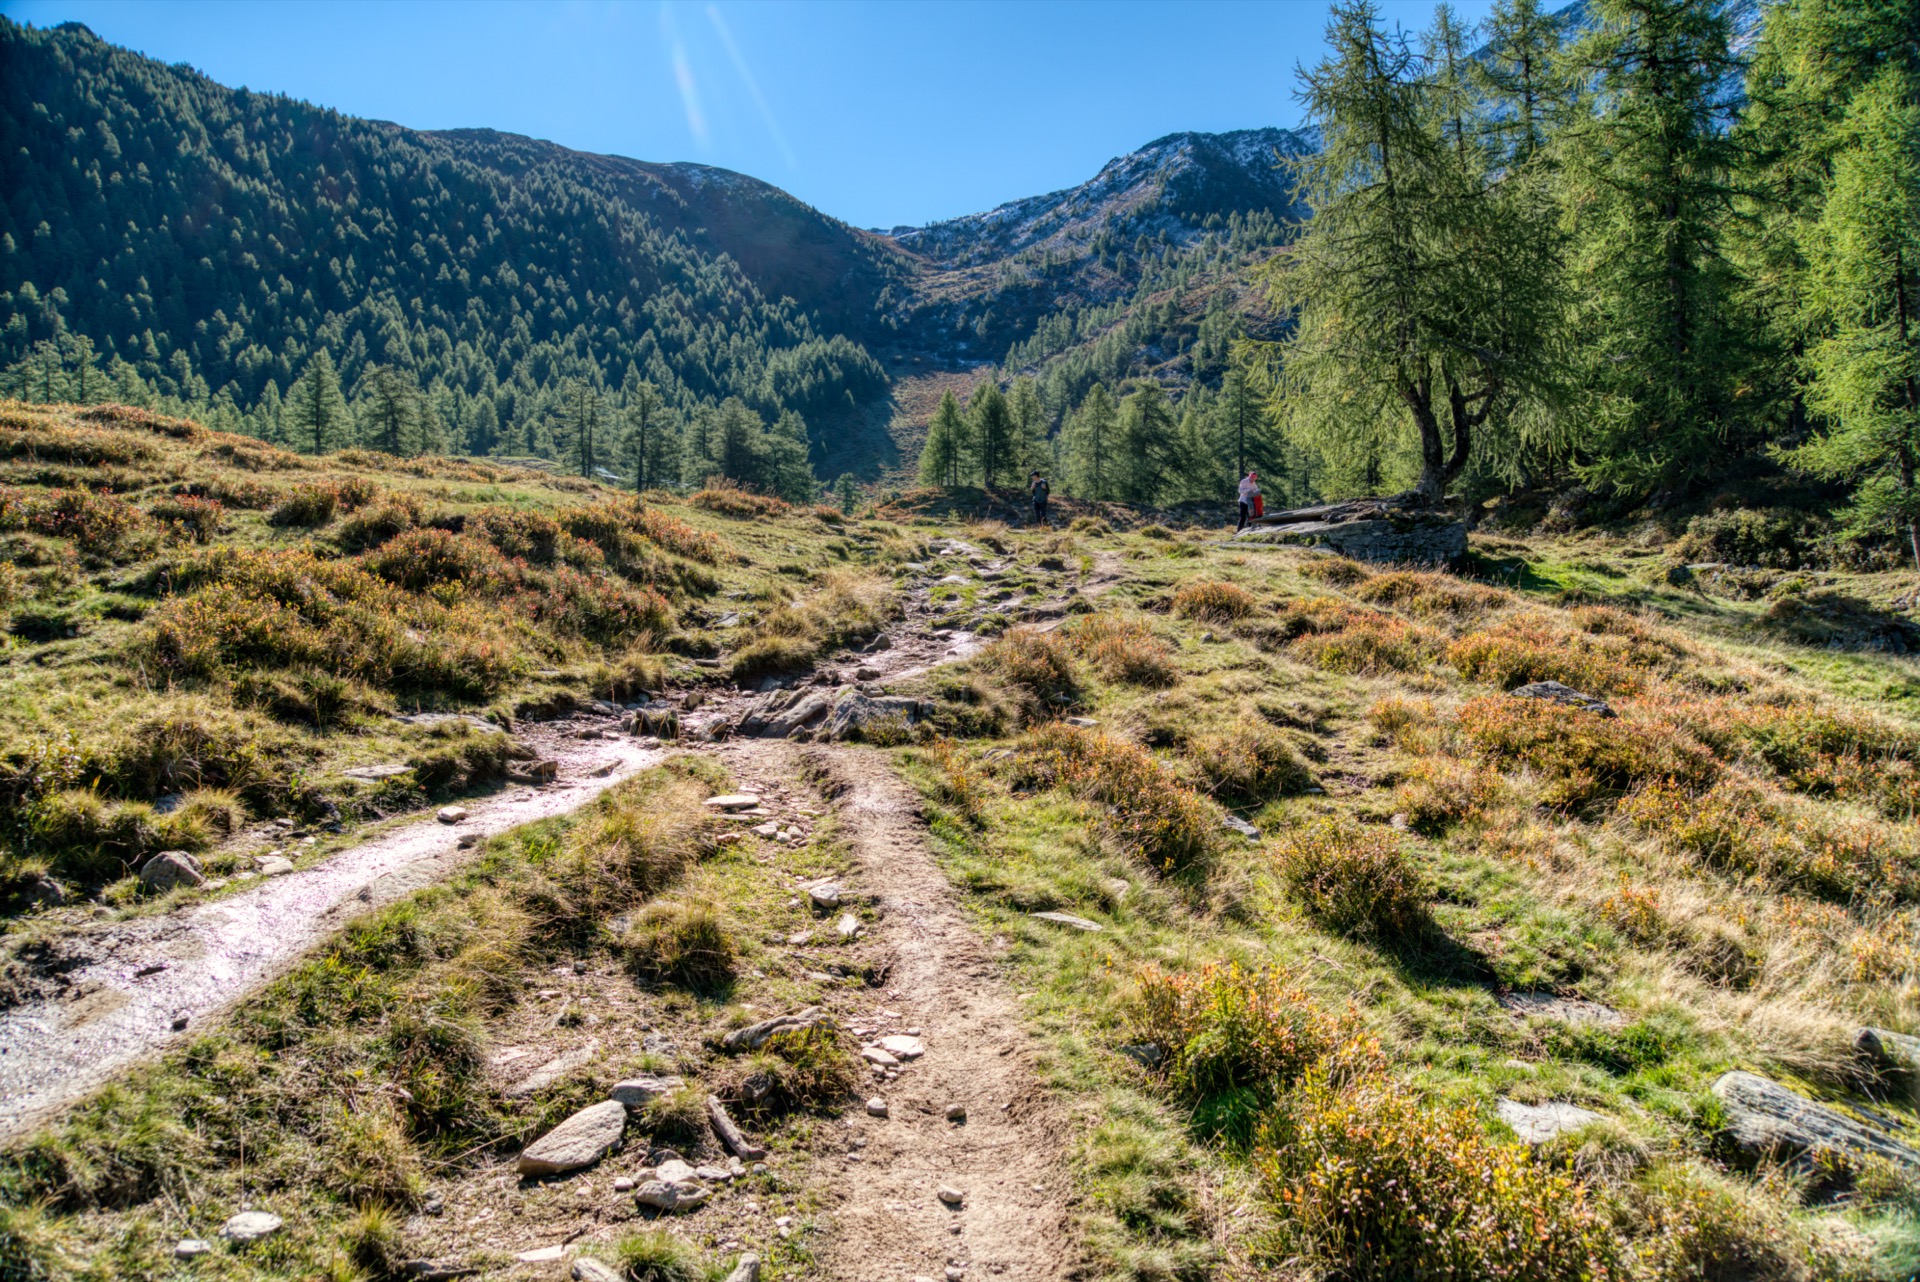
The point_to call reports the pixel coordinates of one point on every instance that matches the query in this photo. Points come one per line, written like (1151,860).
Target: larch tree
(1648,175)
(990,425)
(1093,447)
(1863,259)
(1423,289)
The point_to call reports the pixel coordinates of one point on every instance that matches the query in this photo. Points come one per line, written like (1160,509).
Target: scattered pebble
(448,815)
(877,1107)
(956,1112)
(951,1195)
(189,1248)
(251,1226)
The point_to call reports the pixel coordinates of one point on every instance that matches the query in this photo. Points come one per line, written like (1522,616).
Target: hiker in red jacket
(1251,504)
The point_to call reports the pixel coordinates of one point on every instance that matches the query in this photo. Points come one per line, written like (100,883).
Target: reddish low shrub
(1147,808)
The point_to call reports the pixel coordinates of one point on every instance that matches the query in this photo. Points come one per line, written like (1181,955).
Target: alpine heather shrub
(1353,879)
(1376,1185)
(187,517)
(1583,756)
(306,507)
(1248,762)
(1038,666)
(730,500)
(1147,809)
(1431,593)
(1225,1027)
(425,559)
(1368,644)
(1604,652)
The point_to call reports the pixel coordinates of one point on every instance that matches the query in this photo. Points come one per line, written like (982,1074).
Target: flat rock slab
(636,1092)
(1766,1120)
(1568,1010)
(581,1140)
(661,1196)
(1538,1123)
(733,801)
(1234,823)
(373,774)
(251,1226)
(553,1070)
(1068,919)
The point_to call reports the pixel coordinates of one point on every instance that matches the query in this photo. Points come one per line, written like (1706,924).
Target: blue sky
(877,113)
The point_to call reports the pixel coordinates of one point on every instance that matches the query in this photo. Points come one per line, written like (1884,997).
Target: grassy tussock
(1429,594)
(1247,762)
(1210,600)
(731,500)
(842,608)
(682,943)
(1583,757)
(1037,667)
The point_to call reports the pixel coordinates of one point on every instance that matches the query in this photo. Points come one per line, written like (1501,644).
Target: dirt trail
(122,987)
(1005,1158)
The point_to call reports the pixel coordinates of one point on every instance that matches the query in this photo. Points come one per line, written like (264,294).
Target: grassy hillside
(1281,1055)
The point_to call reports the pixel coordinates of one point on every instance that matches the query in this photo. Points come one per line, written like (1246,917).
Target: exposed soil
(1005,1157)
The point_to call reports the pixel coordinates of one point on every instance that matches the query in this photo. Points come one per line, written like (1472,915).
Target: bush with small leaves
(1145,806)
(306,507)
(1353,879)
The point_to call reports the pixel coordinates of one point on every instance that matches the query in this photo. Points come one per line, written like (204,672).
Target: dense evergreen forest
(163,238)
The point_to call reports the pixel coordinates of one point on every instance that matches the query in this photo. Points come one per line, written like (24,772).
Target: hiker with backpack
(1251,504)
(1038,484)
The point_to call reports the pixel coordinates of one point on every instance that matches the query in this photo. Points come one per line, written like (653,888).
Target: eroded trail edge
(130,987)
(1005,1157)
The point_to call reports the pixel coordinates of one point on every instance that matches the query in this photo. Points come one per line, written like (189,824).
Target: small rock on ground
(635,1092)
(1538,1123)
(1068,919)
(170,868)
(189,1248)
(877,1107)
(952,1196)
(452,814)
(1554,692)
(662,1196)
(903,1046)
(251,1226)
(593,1271)
(733,801)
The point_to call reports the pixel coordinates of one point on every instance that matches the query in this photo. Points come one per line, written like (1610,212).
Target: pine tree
(990,426)
(1649,179)
(483,427)
(1424,289)
(846,491)
(318,413)
(1093,447)
(736,446)
(585,412)
(945,449)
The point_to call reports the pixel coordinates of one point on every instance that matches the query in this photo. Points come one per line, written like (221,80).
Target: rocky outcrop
(1538,1123)
(1385,530)
(1765,1120)
(848,712)
(1894,1058)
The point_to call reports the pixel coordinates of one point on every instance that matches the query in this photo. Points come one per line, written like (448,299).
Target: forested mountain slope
(213,239)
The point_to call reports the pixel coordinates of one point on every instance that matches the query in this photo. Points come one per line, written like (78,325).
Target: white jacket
(1248,488)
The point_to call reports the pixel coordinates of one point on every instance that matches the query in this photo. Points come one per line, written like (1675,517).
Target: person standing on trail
(1250,501)
(1041,490)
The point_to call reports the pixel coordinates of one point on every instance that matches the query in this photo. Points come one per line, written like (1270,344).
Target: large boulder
(1765,1120)
(1385,530)
(581,1140)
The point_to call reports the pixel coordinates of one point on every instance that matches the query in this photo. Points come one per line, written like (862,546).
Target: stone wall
(1397,537)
